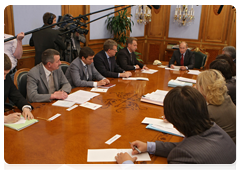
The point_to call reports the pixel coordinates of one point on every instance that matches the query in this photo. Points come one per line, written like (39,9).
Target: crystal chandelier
(143,14)
(183,15)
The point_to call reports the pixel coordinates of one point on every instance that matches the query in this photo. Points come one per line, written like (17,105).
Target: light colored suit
(214,146)
(37,85)
(77,76)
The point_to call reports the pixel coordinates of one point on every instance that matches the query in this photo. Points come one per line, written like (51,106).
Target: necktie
(131,58)
(51,86)
(109,62)
(182,61)
(86,71)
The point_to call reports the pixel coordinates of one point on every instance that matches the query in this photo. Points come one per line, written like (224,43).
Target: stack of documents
(136,78)
(175,83)
(161,126)
(63,103)
(81,96)
(156,97)
(186,80)
(150,71)
(21,124)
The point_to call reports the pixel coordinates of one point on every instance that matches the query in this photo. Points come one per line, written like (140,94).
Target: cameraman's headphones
(50,19)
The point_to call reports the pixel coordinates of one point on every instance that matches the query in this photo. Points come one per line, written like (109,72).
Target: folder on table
(175,83)
(19,126)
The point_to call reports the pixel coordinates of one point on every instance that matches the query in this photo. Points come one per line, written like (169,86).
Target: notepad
(19,125)
(92,106)
(99,90)
(108,155)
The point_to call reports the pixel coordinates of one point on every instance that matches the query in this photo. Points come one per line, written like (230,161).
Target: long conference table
(66,139)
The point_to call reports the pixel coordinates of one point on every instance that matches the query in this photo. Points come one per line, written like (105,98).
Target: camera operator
(71,39)
(46,38)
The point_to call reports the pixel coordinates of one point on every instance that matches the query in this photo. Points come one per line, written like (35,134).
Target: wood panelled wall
(216,31)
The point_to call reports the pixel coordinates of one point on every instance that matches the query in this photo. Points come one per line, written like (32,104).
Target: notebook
(21,124)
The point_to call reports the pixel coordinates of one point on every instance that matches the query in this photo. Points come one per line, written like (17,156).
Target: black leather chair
(20,81)
(201,58)
(64,66)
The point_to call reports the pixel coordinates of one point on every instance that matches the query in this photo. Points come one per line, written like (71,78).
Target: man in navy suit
(105,62)
(126,57)
(183,57)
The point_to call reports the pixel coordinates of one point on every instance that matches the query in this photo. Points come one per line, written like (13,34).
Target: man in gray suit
(204,143)
(82,73)
(46,81)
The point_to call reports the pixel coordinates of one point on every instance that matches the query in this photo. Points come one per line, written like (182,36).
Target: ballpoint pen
(136,148)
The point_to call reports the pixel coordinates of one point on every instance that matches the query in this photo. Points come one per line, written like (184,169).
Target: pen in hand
(135,148)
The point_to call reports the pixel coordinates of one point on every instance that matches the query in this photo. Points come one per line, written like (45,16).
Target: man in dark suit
(183,57)
(47,38)
(230,51)
(204,143)
(105,62)
(11,92)
(82,73)
(46,81)
(126,57)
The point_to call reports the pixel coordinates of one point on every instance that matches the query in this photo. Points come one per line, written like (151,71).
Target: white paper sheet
(63,103)
(81,96)
(92,106)
(136,78)
(150,71)
(108,155)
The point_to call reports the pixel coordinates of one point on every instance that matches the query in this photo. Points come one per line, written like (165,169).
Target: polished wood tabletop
(66,139)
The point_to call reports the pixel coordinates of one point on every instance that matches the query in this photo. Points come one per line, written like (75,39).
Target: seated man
(47,38)
(183,56)
(82,73)
(224,67)
(230,51)
(126,57)
(11,92)
(46,81)
(105,62)
(204,143)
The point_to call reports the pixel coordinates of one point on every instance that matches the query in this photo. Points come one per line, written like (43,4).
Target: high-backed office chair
(64,66)
(20,80)
(201,58)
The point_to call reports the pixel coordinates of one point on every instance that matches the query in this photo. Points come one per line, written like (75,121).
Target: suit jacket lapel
(55,79)
(43,75)
(81,66)
(105,60)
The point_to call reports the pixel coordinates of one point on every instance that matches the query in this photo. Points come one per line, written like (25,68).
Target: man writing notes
(12,93)
(82,73)
(183,57)
(204,143)
(126,57)
(46,81)
(105,62)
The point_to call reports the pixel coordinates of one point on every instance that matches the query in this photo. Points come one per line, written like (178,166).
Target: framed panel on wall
(30,17)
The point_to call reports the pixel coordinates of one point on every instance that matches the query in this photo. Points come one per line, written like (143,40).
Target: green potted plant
(119,25)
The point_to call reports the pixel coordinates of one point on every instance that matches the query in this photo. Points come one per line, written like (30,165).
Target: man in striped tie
(183,57)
